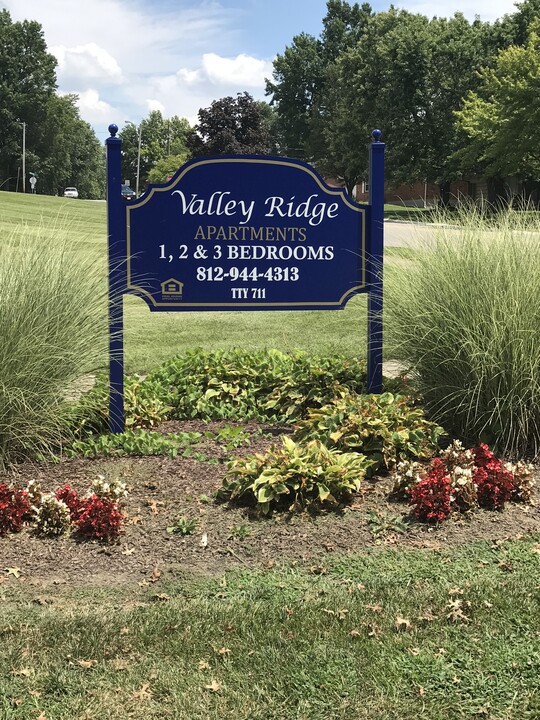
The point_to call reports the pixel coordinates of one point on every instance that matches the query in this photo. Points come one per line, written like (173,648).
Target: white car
(71,192)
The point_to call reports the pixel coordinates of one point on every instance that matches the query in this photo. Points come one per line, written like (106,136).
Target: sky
(124,58)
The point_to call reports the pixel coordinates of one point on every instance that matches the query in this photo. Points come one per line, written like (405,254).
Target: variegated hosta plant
(386,428)
(295,476)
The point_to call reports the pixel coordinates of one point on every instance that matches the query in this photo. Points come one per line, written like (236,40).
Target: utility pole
(23,157)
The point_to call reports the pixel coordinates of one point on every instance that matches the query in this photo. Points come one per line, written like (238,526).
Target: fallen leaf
(214,686)
(355,633)
(87,664)
(204,540)
(154,506)
(421,691)
(163,597)
(223,651)
(120,664)
(41,716)
(124,631)
(134,520)
(414,651)
(457,615)
(144,693)
(14,571)
(17,701)
(156,574)
(402,623)
(23,672)
(203,665)
(455,591)
(374,608)
(128,551)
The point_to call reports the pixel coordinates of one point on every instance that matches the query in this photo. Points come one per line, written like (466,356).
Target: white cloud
(153,105)
(241,70)
(82,63)
(94,110)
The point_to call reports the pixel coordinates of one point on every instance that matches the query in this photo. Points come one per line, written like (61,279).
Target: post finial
(113,129)
(376,134)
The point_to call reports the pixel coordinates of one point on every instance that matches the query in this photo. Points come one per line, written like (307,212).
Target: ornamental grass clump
(53,331)
(464,314)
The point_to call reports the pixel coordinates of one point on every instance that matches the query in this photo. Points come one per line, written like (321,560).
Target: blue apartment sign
(246,233)
(243,233)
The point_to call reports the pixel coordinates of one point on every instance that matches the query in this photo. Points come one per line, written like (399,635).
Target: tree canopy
(502,120)
(427,83)
(232,126)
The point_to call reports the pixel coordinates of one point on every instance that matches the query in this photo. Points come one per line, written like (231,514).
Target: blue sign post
(243,233)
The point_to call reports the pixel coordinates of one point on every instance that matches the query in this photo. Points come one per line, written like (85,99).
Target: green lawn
(392,635)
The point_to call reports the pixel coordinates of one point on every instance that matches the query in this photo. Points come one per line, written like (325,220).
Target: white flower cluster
(523,479)
(456,456)
(111,490)
(408,473)
(34,492)
(51,516)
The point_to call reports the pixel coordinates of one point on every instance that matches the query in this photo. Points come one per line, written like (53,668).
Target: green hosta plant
(133,442)
(295,476)
(183,526)
(386,428)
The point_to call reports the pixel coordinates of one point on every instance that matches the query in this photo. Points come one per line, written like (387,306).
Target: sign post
(243,232)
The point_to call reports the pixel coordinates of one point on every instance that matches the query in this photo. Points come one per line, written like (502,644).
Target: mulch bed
(161,489)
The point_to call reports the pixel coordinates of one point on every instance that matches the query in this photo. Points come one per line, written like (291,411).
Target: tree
(232,126)
(160,138)
(405,76)
(502,120)
(69,153)
(27,84)
(166,167)
(303,77)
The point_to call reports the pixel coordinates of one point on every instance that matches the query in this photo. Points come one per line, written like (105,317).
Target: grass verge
(391,634)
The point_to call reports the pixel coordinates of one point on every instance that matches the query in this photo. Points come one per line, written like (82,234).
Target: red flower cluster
(495,484)
(99,518)
(431,496)
(462,479)
(70,497)
(14,505)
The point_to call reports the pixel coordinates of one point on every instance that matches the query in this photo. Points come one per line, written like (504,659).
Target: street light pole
(139,134)
(24,157)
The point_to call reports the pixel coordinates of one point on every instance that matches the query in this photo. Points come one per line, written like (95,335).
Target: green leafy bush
(144,406)
(465,316)
(133,442)
(224,385)
(385,428)
(296,476)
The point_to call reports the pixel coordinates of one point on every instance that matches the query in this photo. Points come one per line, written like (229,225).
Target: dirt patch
(161,489)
